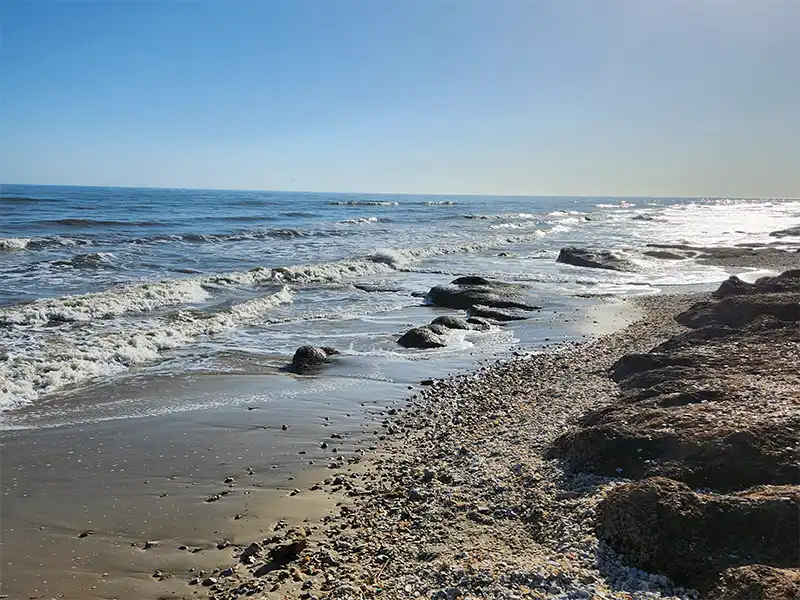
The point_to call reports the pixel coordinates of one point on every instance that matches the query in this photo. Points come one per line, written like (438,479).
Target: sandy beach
(453,487)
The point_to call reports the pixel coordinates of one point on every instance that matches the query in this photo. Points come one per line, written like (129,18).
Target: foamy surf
(79,355)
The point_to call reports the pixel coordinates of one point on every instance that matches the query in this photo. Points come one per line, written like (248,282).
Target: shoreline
(460,464)
(467,470)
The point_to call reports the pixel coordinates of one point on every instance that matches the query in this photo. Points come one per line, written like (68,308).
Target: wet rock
(307,358)
(789,231)
(451,322)
(496,314)
(374,287)
(289,551)
(664,255)
(438,328)
(423,338)
(480,323)
(756,582)
(594,259)
(209,581)
(663,526)
(467,291)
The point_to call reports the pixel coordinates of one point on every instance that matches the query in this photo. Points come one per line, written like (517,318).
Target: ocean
(105,292)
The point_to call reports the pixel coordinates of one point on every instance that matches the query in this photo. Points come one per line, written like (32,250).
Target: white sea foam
(56,361)
(14,243)
(360,221)
(440,203)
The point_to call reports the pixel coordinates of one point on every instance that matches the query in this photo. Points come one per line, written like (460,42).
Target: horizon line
(459,194)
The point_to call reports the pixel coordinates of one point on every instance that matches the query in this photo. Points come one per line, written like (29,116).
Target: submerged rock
(663,526)
(307,358)
(422,338)
(665,255)
(594,259)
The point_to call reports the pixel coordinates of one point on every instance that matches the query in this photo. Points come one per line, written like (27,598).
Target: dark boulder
(438,328)
(423,338)
(594,259)
(308,358)
(451,322)
(756,582)
(790,231)
(496,314)
(663,526)
(466,291)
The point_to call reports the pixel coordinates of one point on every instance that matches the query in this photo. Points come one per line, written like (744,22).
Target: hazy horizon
(624,99)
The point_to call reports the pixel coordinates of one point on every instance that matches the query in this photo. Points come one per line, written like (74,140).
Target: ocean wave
(440,203)
(298,213)
(84,355)
(360,221)
(515,225)
(40,243)
(14,243)
(92,260)
(504,216)
(116,301)
(72,222)
(363,203)
(24,200)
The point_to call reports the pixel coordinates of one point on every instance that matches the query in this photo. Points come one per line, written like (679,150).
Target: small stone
(284,427)
(209,581)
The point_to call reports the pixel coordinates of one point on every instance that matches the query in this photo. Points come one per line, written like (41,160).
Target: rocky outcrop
(451,322)
(309,358)
(739,310)
(790,231)
(465,292)
(663,526)
(756,256)
(594,259)
(715,407)
(422,338)
(756,582)
(788,281)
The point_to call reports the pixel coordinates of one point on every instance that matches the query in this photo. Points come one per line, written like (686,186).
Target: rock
(374,287)
(790,231)
(288,551)
(788,281)
(737,311)
(466,291)
(421,337)
(438,328)
(756,582)
(253,549)
(451,322)
(307,358)
(663,526)
(594,259)
(496,314)
(209,581)
(480,323)
(664,255)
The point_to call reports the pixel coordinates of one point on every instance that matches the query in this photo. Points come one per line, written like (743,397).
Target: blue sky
(591,97)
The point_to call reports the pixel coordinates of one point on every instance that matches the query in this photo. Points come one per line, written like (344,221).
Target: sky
(539,97)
